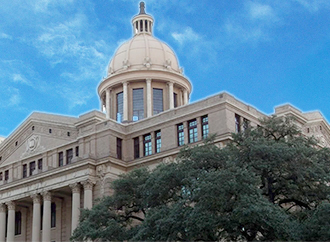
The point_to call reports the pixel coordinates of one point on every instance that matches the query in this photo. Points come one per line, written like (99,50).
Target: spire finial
(142,8)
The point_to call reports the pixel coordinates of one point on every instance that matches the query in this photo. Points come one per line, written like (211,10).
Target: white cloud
(20,79)
(261,11)
(43,5)
(10,98)
(313,5)
(188,35)
(5,36)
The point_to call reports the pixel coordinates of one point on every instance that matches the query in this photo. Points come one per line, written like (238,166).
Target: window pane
(158,143)
(138,104)
(120,107)
(205,126)
(158,100)
(192,126)
(147,145)
(180,135)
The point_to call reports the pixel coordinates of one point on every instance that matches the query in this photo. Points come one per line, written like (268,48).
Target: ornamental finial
(142,8)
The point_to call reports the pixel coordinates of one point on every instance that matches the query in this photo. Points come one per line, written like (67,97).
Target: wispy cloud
(261,12)
(5,36)
(188,35)
(10,98)
(20,79)
(313,5)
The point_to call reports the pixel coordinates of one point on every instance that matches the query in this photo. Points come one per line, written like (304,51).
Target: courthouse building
(51,166)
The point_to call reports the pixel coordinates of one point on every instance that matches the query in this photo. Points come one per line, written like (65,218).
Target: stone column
(170,92)
(88,194)
(125,102)
(75,206)
(149,101)
(185,96)
(11,222)
(46,216)
(36,218)
(2,222)
(107,102)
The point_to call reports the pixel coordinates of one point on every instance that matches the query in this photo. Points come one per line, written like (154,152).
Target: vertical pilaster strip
(46,216)
(170,92)
(2,222)
(36,218)
(11,222)
(149,101)
(125,102)
(75,206)
(107,102)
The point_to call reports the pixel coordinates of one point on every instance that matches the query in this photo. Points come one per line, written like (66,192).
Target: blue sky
(54,53)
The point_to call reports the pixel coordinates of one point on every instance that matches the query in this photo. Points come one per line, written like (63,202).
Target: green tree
(269,183)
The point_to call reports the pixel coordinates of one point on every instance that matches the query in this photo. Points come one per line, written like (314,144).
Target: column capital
(36,198)
(148,80)
(47,196)
(11,205)
(3,208)
(75,187)
(88,184)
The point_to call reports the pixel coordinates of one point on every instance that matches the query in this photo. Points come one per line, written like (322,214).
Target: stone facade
(53,165)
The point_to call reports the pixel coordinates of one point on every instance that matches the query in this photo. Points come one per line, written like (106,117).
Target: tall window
(158,142)
(6,175)
(120,107)
(77,151)
(24,170)
(60,159)
(175,99)
(0,176)
(180,134)
(136,148)
(53,215)
(158,100)
(69,156)
(237,123)
(32,167)
(192,127)
(40,164)
(18,222)
(138,104)
(205,126)
(147,144)
(119,148)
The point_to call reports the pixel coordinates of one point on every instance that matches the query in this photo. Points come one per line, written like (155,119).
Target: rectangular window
(205,126)
(18,223)
(192,130)
(53,215)
(6,175)
(120,107)
(175,99)
(138,104)
(180,134)
(69,156)
(147,144)
(158,142)
(77,151)
(60,159)
(237,123)
(32,167)
(24,170)
(40,164)
(157,100)
(119,148)
(0,176)
(136,148)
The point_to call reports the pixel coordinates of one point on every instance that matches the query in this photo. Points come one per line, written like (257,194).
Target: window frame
(205,126)
(60,159)
(158,141)
(192,131)
(136,147)
(147,145)
(180,134)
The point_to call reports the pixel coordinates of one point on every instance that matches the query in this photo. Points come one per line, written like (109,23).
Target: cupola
(144,77)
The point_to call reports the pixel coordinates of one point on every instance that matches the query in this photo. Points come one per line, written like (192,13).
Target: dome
(143,52)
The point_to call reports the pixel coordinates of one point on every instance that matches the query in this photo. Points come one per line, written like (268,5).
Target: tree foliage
(269,183)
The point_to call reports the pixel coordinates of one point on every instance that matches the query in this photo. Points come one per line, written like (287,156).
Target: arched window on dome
(138,104)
